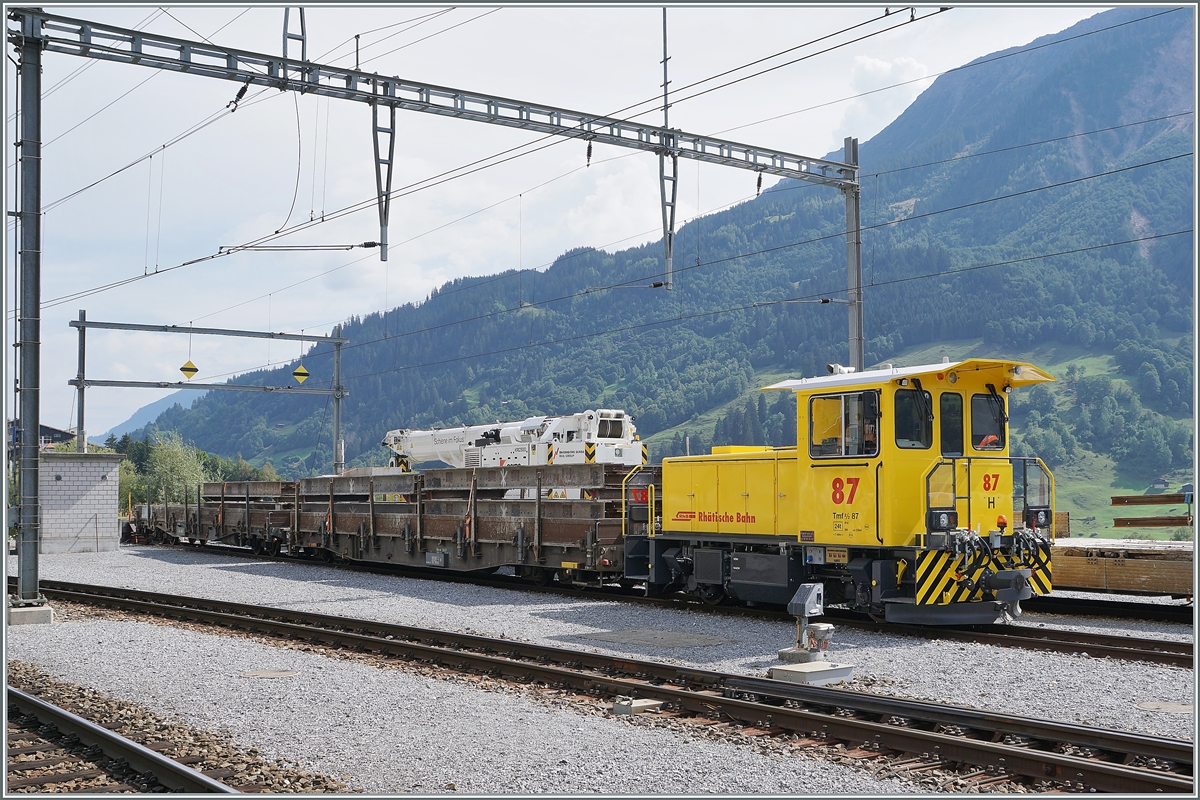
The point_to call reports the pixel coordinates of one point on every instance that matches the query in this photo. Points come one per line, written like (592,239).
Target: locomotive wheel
(711,594)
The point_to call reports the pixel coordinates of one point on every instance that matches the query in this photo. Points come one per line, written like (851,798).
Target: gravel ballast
(390,731)
(1078,689)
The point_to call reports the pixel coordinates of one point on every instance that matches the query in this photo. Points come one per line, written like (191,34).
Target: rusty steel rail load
(569,519)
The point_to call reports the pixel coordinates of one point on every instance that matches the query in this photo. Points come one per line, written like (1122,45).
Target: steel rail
(678,686)
(1171,653)
(1125,609)
(168,772)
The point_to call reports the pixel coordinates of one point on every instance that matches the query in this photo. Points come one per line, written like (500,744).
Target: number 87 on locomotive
(901,497)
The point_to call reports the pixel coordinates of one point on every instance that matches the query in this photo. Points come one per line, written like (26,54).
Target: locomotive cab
(900,496)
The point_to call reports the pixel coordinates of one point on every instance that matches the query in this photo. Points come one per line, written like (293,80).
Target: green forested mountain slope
(686,360)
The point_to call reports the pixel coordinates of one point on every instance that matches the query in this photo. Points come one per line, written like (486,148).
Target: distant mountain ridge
(1010,125)
(148,413)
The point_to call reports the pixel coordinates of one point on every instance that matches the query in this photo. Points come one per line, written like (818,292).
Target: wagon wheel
(274,547)
(540,577)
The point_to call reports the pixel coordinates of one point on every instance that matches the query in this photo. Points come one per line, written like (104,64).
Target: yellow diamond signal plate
(189,369)
(300,374)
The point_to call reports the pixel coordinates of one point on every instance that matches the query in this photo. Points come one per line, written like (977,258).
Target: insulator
(758,191)
(589,154)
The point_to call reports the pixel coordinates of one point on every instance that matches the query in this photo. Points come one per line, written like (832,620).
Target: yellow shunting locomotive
(900,497)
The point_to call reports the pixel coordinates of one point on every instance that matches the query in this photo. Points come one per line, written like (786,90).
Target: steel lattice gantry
(95,40)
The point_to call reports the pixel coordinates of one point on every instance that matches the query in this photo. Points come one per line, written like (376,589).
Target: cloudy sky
(282,159)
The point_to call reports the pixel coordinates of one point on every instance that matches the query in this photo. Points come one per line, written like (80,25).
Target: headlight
(942,520)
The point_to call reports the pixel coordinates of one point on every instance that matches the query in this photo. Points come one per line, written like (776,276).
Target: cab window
(952,424)
(843,425)
(914,419)
(987,422)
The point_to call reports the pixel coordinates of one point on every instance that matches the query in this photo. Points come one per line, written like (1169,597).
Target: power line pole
(29,215)
(854,257)
(80,439)
(339,446)
(668,173)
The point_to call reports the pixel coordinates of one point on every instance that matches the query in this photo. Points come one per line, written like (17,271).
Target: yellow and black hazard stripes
(589,453)
(1038,565)
(940,580)
(645,454)
(551,450)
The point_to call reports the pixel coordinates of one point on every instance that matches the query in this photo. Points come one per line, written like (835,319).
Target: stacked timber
(1123,565)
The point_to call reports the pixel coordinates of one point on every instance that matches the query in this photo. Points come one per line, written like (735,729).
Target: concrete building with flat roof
(80,507)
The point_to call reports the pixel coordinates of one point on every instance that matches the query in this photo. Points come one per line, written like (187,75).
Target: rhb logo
(685,516)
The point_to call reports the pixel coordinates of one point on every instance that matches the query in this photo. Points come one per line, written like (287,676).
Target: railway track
(52,750)
(912,734)
(1096,645)
(1121,609)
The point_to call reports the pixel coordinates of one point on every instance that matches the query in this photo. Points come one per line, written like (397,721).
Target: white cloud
(868,115)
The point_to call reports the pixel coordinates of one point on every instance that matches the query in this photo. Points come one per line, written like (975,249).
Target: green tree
(173,465)
(131,488)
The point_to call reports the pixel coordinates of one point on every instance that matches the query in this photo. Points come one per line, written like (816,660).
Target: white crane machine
(602,436)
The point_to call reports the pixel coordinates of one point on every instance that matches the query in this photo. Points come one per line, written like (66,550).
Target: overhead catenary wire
(422,20)
(739,256)
(115,284)
(89,64)
(299,159)
(816,296)
(972,65)
(759,304)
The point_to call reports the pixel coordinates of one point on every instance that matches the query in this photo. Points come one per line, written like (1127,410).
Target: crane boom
(602,436)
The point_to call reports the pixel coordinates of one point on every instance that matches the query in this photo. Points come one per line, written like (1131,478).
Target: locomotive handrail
(624,494)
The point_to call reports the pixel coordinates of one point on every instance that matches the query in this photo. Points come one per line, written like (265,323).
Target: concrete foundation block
(639,706)
(28,615)
(798,655)
(817,673)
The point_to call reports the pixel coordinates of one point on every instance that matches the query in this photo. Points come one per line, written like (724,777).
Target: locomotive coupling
(1009,585)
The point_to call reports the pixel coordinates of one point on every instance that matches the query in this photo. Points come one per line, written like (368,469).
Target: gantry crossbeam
(60,34)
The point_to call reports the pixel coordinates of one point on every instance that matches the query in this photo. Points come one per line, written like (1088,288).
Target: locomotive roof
(1014,373)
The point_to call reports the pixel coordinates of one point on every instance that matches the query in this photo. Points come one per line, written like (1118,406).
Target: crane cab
(901,496)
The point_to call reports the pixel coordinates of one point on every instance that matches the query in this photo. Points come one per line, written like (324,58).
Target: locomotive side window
(914,425)
(952,424)
(843,425)
(987,422)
